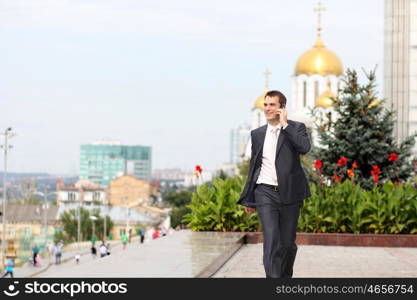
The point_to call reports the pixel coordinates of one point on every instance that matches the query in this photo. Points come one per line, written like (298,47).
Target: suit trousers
(279,224)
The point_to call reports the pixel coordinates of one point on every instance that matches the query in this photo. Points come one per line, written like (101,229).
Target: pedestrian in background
(124,240)
(58,253)
(142,235)
(156,234)
(93,250)
(103,250)
(37,262)
(9,268)
(35,251)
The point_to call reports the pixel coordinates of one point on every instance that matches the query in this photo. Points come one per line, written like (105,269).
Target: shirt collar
(271,128)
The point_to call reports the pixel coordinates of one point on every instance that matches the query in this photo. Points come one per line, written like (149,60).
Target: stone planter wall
(346,239)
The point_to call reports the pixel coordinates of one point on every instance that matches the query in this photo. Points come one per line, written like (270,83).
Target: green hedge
(343,207)
(214,208)
(346,207)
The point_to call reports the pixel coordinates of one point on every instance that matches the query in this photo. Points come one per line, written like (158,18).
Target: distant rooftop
(29,213)
(109,143)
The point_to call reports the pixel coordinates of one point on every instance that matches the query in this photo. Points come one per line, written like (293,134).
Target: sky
(173,75)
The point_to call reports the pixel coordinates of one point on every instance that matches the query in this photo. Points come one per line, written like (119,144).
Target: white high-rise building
(239,138)
(400,65)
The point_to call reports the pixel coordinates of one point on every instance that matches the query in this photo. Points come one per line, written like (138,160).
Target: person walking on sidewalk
(124,240)
(142,235)
(156,234)
(58,253)
(35,251)
(9,268)
(38,260)
(276,185)
(93,250)
(103,250)
(77,258)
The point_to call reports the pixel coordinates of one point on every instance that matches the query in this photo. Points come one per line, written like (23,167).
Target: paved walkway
(329,261)
(181,254)
(185,254)
(68,255)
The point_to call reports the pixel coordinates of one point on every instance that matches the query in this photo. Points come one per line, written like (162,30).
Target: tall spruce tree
(361,131)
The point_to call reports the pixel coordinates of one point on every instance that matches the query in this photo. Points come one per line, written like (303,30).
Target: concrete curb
(346,239)
(223,258)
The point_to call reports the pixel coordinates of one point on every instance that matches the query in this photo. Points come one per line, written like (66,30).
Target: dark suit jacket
(292,182)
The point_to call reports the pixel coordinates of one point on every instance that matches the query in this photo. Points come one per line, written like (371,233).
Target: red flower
(393,157)
(198,169)
(342,161)
(375,170)
(318,164)
(376,178)
(350,173)
(337,178)
(355,165)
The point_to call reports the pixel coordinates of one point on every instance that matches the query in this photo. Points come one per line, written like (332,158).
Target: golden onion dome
(259,102)
(324,100)
(319,60)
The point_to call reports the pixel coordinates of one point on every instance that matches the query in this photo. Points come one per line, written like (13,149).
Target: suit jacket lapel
(280,142)
(281,139)
(261,140)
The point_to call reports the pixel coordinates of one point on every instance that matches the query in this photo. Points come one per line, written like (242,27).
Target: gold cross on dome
(267,73)
(319,10)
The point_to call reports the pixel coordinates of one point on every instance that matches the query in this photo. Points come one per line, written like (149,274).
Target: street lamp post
(105,223)
(93,219)
(7,134)
(79,221)
(126,201)
(45,194)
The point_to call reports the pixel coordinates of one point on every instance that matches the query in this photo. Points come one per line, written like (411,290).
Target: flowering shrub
(341,171)
(348,208)
(343,207)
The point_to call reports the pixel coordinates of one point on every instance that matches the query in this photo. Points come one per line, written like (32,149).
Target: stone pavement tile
(329,261)
(247,262)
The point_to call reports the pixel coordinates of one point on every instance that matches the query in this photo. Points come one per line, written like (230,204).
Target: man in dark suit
(277,186)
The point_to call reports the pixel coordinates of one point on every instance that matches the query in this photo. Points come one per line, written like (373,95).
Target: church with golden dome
(315,81)
(317,77)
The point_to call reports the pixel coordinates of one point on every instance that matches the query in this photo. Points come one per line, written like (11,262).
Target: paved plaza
(329,261)
(186,254)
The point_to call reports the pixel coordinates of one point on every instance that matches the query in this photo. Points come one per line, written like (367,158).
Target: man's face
(271,105)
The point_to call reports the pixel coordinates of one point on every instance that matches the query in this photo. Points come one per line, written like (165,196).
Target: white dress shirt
(268,173)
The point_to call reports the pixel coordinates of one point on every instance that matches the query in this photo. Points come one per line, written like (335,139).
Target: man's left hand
(283,121)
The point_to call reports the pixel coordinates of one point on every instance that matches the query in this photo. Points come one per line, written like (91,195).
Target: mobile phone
(278,113)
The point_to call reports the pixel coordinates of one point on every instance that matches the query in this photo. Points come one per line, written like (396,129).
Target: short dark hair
(281,98)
